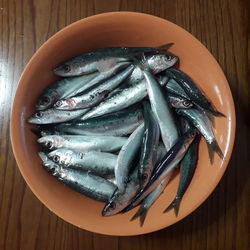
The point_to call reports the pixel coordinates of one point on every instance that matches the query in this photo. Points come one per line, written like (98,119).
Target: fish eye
(45,100)
(144,176)
(39,114)
(186,103)
(48,144)
(58,104)
(66,68)
(56,158)
(112,205)
(168,57)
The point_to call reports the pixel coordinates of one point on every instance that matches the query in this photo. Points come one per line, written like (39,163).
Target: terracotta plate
(119,29)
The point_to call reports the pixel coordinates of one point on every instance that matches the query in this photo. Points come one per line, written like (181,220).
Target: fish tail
(142,213)
(214,147)
(175,204)
(216,113)
(164,48)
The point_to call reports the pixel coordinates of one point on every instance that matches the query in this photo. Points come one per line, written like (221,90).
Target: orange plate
(119,29)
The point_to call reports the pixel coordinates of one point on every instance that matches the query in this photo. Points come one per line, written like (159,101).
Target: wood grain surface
(222,222)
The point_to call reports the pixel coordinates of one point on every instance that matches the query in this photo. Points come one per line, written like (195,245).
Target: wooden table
(222,222)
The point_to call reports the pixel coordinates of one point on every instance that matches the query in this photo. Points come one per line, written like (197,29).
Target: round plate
(120,29)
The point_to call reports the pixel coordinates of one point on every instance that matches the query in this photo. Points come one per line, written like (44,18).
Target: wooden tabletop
(222,221)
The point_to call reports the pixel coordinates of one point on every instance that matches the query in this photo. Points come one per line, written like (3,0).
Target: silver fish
(92,186)
(88,143)
(95,95)
(200,120)
(126,156)
(63,89)
(98,163)
(122,100)
(53,115)
(117,124)
(161,110)
(101,59)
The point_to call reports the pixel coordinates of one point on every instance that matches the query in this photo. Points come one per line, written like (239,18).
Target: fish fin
(216,113)
(142,213)
(164,48)
(214,147)
(175,204)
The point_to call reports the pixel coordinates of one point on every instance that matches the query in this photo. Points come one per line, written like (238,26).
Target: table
(222,221)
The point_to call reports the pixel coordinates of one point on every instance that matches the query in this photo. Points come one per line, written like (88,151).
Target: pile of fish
(119,122)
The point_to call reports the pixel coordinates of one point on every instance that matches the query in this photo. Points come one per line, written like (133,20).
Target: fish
(156,63)
(199,120)
(126,156)
(160,108)
(96,95)
(179,102)
(63,88)
(101,59)
(150,199)
(149,145)
(89,143)
(187,169)
(53,115)
(120,123)
(127,97)
(98,163)
(94,187)
(192,91)
(166,165)
(120,200)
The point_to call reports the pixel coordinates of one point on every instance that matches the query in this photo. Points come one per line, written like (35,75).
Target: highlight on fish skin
(119,122)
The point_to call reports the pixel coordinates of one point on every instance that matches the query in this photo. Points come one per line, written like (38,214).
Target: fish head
(68,104)
(144,176)
(68,69)
(49,165)
(61,156)
(37,118)
(180,102)
(46,100)
(51,141)
(158,63)
(114,205)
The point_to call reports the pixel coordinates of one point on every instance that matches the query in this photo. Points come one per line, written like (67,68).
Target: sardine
(53,115)
(96,95)
(192,91)
(99,163)
(161,109)
(174,88)
(200,120)
(88,143)
(126,156)
(117,124)
(149,146)
(92,186)
(101,59)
